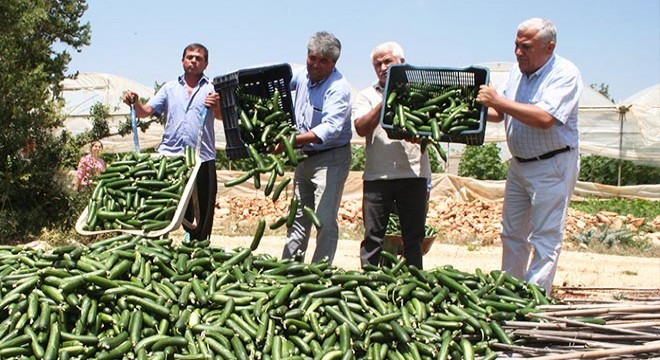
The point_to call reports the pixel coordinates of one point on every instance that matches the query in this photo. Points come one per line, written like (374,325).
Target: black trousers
(379,197)
(207,188)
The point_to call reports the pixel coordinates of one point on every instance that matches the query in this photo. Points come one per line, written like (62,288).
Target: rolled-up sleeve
(159,101)
(336,109)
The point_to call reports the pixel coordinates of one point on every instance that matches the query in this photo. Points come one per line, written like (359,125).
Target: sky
(613,42)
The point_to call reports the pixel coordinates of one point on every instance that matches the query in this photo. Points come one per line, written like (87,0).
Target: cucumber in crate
(434,105)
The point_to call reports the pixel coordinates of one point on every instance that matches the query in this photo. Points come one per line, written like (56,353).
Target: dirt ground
(576,269)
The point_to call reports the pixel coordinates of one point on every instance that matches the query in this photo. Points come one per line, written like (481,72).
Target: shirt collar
(310,84)
(378,88)
(543,69)
(203,80)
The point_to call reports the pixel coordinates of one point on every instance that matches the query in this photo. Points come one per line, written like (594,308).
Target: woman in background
(89,166)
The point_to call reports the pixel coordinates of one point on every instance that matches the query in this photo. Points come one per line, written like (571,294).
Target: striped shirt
(556,89)
(323,108)
(184,113)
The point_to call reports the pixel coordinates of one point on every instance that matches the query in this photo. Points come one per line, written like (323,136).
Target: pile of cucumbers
(133,297)
(139,192)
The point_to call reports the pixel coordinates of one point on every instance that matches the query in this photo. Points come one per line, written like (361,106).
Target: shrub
(482,162)
(602,170)
(358,157)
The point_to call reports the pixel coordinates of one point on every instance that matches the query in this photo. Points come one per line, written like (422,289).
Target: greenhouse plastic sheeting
(447,185)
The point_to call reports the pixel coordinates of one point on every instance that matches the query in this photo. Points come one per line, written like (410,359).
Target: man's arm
(528,114)
(365,124)
(212,101)
(307,138)
(141,110)
(336,111)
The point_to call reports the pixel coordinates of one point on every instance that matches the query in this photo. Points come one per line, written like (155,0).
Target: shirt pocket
(317,115)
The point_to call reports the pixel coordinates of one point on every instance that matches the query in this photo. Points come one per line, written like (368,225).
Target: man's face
(531,52)
(194,62)
(319,66)
(381,62)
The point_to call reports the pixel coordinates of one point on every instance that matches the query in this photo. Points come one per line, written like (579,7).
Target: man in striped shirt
(539,106)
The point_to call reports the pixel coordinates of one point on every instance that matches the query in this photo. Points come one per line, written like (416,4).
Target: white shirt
(555,88)
(386,158)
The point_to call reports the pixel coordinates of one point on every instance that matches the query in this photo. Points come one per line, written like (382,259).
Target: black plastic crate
(471,77)
(261,82)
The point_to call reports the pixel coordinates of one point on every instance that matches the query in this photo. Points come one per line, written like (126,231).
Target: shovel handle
(202,119)
(136,141)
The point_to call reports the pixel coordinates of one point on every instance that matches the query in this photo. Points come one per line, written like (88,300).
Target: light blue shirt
(184,113)
(323,108)
(555,88)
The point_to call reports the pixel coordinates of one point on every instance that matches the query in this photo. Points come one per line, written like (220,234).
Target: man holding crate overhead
(539,106)
(323,121)
(395,170)
(184,100)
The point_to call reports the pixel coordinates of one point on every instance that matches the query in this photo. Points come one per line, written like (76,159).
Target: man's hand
(129,97)
(278,148)
(487,95)
(212,100)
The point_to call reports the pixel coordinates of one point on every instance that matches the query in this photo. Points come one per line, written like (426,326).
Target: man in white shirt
(396,171)
(539,105)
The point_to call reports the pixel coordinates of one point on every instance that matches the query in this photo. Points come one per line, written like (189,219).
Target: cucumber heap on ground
(134,297)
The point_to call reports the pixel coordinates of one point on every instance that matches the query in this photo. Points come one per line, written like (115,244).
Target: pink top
(88,168)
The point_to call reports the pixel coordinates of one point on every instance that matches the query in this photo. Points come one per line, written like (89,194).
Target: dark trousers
(207,188)
(379,197)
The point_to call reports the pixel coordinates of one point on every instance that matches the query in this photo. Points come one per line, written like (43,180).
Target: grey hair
(547,30)
(326,44)
(391,47)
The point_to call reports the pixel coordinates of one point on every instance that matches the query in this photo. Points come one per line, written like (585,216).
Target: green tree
(36,37)
(602,88)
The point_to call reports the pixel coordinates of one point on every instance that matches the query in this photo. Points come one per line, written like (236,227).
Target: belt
(310,153)
(545,156)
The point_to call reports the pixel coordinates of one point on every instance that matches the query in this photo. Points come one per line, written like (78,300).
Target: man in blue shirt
(323,116)
(185,101)
(539,106)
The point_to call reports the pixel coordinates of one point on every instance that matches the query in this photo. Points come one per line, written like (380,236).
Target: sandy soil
(576,269)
